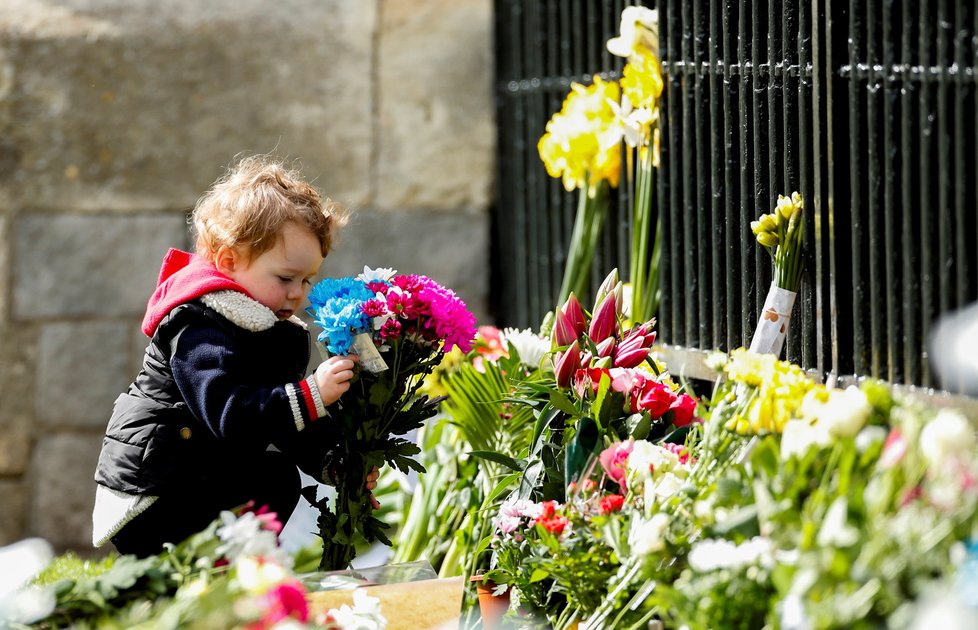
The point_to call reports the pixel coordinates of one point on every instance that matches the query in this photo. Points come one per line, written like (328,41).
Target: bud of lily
(607,286)
(631,358)
(575,314)
(603,363)
(567,363)
(569,323)
(606,347)
(604,320)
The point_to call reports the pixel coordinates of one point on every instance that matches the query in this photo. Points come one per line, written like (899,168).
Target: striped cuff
(305,402)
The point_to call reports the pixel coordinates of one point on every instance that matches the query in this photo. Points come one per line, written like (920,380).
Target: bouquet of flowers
(400,326)
(781,234)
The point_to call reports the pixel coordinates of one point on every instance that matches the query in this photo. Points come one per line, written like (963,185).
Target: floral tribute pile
(233,574)
(787,504)
(400,326)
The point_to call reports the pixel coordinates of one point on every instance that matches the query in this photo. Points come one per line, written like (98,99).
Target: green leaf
(499,458)
(537,575)
(561,402)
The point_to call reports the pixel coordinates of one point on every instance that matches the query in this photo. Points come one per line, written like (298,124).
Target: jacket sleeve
(214,381)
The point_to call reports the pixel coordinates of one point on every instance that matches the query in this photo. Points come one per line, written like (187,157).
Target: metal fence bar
(868,108)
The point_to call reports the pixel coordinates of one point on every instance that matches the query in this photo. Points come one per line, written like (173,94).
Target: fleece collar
(243,311)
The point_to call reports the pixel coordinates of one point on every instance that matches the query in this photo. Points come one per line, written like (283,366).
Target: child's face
(281,277)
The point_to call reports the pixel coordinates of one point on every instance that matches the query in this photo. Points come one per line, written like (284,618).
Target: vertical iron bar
(690,289)
(736,232)
(748,255)
(859,304)
(890,209)
(701,180)
(945,256)
(720,224)
(926,131)
(762,200)
(910,293)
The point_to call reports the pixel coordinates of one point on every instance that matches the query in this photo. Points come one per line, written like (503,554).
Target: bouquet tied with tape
(400,326)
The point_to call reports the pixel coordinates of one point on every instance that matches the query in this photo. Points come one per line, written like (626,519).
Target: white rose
(647,536)
(798,436)
(846,412)
(948,434)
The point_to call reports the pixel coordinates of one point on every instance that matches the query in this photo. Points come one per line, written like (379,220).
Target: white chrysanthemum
(530,346)
(798,436)
(380,274)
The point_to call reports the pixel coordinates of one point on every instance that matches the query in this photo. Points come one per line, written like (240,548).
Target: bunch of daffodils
(781,233)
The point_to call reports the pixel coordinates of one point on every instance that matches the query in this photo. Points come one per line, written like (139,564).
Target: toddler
(222,376)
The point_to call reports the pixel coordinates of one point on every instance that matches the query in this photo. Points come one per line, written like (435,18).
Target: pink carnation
(614,460)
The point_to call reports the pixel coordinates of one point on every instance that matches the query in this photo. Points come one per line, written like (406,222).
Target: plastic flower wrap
(401,326)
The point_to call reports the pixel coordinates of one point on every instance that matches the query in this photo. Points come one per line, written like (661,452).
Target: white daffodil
(639,29)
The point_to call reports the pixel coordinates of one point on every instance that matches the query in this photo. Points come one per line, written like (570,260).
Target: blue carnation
(336,305)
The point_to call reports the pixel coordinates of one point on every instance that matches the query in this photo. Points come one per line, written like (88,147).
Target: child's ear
(227,260)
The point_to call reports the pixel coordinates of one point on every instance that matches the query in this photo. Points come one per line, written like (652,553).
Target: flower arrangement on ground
(794,505)
(400,326)
(233,574)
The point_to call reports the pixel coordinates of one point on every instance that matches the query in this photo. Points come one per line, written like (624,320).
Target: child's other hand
(371,484)
(333,377)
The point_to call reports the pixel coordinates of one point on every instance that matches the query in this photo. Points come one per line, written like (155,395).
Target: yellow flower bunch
(766,393)
(641,81)
(581,143)
(781,232)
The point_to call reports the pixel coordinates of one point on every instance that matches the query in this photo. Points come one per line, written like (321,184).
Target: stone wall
(116,114)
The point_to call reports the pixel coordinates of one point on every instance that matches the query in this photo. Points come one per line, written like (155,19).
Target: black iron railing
(868,108)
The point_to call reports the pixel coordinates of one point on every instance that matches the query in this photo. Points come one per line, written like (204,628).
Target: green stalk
(588,223)
(643,272)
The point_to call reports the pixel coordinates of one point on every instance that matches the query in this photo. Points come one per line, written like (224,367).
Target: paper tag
(370,358)
(772,327)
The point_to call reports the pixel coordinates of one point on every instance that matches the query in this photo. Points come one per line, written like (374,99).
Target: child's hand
(371,484)
(333,377)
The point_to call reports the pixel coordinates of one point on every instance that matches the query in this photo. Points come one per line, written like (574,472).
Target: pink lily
(606,347)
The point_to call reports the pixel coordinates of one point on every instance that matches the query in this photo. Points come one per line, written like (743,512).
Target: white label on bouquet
(370,358)
(772,327)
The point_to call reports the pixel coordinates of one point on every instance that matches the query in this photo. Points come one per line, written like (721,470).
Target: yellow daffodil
(641,82)
(580,145)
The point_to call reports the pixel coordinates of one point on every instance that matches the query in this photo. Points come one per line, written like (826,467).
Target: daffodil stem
(588,225)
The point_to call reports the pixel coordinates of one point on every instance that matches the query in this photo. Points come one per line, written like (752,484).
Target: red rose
(654,397)
(611,503)
(682,410)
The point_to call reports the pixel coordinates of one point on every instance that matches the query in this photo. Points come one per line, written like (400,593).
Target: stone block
(15,450)
(13,498)
(436,136)
(78,265)
(450,248)
(18,351)
(140,104)
(63,489)
(82,368)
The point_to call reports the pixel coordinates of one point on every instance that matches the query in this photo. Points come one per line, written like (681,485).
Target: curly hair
(247,208)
